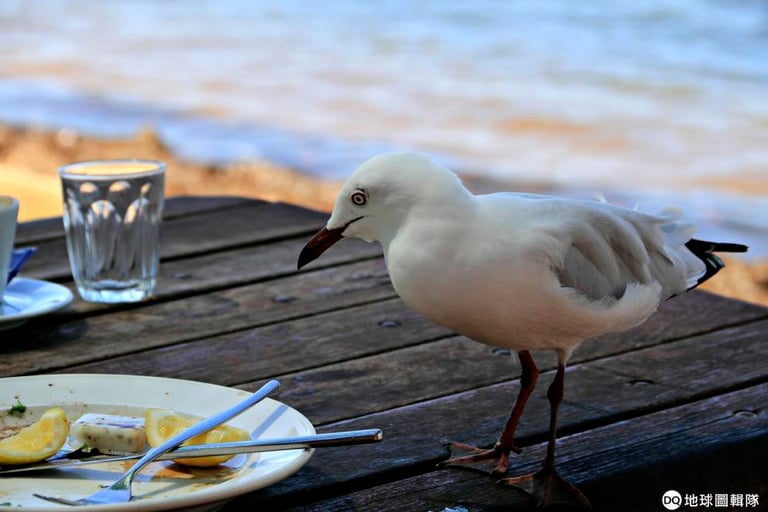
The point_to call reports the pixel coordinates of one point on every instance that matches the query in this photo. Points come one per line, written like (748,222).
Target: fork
(120,490)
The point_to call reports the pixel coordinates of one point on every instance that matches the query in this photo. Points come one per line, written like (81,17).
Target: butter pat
(109,433)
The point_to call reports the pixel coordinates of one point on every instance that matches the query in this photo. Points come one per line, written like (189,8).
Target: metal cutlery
(346,438)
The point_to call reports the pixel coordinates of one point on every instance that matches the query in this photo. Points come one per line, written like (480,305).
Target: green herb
(18,408)
(6,504)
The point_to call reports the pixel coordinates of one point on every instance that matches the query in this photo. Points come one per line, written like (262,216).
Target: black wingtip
(705,250)
(698,246)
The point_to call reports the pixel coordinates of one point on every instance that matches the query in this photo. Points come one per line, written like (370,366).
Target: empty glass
(112,213)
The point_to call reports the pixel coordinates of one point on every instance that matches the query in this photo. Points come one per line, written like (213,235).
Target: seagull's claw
(494,460)
(549,488)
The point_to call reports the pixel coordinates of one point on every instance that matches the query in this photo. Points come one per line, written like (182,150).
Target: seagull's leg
(528,377)
(499,454)
(546,485)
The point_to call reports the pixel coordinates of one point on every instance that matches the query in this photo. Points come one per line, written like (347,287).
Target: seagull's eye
(359,197)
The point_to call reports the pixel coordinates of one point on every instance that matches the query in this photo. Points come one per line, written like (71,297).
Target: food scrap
(109,433)
(17,409)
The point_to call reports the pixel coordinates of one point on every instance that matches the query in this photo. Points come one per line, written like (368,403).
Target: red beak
(318,244)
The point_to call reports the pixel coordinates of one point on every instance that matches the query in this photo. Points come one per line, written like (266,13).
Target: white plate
(162,485)
(28,298)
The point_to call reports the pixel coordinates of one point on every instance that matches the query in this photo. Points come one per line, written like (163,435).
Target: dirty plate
(163,485)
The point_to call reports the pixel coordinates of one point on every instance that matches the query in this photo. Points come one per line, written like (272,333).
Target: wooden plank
(708,446)
(250,224)
(32,232)
(180,206)
(417,432)
(45,346)
(256,222)
(276,349)
(695,312)
(29,233)
(678,371)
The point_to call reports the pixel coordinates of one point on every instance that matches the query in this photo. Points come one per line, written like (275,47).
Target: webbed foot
(494,460)
(549,489)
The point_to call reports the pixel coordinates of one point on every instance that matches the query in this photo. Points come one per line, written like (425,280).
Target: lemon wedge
(162,424)
(37,441)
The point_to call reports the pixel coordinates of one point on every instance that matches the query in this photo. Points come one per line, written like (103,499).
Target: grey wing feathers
(608,247)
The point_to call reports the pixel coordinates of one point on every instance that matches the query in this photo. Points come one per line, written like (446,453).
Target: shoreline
(30,157)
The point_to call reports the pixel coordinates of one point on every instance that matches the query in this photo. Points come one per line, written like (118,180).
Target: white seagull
(519,271)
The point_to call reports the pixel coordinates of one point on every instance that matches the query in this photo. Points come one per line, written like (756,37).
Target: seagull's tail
(705,252)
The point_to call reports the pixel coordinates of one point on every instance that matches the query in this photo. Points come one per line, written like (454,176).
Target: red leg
(547,486)
(506,443)
(530,373)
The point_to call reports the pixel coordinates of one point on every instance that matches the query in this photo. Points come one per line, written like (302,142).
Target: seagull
(518,271)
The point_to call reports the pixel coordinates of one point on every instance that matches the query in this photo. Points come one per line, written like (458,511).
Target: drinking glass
(112,214)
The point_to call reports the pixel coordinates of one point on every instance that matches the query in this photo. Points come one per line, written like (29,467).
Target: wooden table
(678,403)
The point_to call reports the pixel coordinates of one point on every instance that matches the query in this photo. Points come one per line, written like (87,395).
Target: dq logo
(672,500)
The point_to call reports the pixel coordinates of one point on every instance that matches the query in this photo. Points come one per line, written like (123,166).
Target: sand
(29,158)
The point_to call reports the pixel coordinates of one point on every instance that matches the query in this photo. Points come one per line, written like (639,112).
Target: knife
(351,437)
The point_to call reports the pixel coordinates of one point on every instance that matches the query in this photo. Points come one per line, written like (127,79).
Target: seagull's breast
(477,286)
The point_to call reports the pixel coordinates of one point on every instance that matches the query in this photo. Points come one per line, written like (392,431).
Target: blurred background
(647,103)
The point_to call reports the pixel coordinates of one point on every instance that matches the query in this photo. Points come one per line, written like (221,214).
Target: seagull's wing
(599,249)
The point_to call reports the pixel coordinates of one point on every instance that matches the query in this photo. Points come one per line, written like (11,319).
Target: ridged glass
(112,215)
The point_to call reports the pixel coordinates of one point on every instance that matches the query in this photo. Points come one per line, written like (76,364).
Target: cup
(112,214)
(9,210)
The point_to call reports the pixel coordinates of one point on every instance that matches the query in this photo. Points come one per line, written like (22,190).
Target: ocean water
(655,102)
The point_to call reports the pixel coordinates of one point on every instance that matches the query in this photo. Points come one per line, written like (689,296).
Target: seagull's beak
(319,243)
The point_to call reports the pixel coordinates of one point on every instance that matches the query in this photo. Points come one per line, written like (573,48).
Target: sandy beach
(29,158)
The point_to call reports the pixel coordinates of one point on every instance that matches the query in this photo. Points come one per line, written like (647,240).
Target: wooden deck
(680,402)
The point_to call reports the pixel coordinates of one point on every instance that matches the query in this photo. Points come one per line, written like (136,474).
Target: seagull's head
(380,196)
